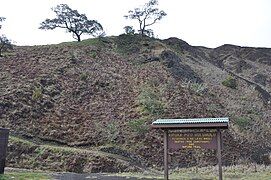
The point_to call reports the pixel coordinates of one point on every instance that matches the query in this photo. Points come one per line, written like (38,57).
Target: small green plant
(138,126)
(111,131)
(84,77)
(198,88)
(230,82)
(73,57)
(93,54)
(150,101)
(37,93)
(243,122)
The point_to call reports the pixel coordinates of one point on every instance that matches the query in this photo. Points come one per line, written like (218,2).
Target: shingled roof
(195,123)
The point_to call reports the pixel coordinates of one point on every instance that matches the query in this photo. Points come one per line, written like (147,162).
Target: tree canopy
(73,22)
(147,15)
(1,19)
(129,30)
(5,43)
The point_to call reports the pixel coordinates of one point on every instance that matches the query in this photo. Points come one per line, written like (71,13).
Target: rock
(260,78)
(178,69)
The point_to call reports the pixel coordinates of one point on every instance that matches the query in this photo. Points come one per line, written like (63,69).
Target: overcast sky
(209,23)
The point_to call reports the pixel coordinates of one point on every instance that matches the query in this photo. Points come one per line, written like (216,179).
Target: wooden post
(166,154)
(219,143)
(4,134)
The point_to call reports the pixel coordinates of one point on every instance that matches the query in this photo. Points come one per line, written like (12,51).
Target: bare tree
(72,21)
(148,15)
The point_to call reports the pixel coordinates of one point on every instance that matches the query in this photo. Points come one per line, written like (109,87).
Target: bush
(243,122)
(138,126)
(37,93)
(230,82)
(150,101)
(198,88)
(93,54)
(111,132)
(129,30)
(83,76)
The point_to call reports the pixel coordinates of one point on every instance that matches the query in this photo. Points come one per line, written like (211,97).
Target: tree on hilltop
(73,22)
(129,30)
(147,15)
(1,19)
(5,43)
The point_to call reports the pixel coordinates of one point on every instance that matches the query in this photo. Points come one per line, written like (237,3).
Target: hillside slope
(105,93)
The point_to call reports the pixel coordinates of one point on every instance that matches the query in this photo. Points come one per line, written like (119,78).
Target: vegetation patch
(198,88)
(25,176)
(37,93)
(138,126)
(128,44)
(150,101)
(26,154)
(243,122)
(230,82)
(206,173)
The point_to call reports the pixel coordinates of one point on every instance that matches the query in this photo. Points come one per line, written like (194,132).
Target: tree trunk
(141,28)
(78,37)
(142,32)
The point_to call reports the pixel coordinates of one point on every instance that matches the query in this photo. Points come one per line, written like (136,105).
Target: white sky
(209,23)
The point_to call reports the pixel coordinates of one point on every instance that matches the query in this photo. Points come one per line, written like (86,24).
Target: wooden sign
(197,133)
(192,140)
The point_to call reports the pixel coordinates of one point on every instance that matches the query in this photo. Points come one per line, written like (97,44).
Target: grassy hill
(102,94)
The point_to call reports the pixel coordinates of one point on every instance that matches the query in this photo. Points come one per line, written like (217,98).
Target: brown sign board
(192,140)
(197,133)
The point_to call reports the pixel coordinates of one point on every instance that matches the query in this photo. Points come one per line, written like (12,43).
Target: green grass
(24,176)
(230,82)
(90,41)
(243,122)
(209,173)
(202,176)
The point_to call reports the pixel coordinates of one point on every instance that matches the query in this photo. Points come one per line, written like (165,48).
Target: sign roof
(191,123)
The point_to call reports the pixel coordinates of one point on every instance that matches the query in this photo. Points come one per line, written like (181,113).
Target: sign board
(192,140)
(197,133)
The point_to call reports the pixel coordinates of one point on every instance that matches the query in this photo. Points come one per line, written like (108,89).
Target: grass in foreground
(241,172)
(24,176)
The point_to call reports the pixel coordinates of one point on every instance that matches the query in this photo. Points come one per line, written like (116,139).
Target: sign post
(166,154)
(205,134)
(4,134)
(219,153)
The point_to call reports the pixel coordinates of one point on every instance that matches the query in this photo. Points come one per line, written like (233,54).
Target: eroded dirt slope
(102,92)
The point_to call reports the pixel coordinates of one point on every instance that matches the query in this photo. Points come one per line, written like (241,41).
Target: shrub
(37,93)
(198,88)
(150,102)
(83,76)
(93,54)
(129,30)
(230,82)
(243,122)
(73,57)
(111,132)
(138,126)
